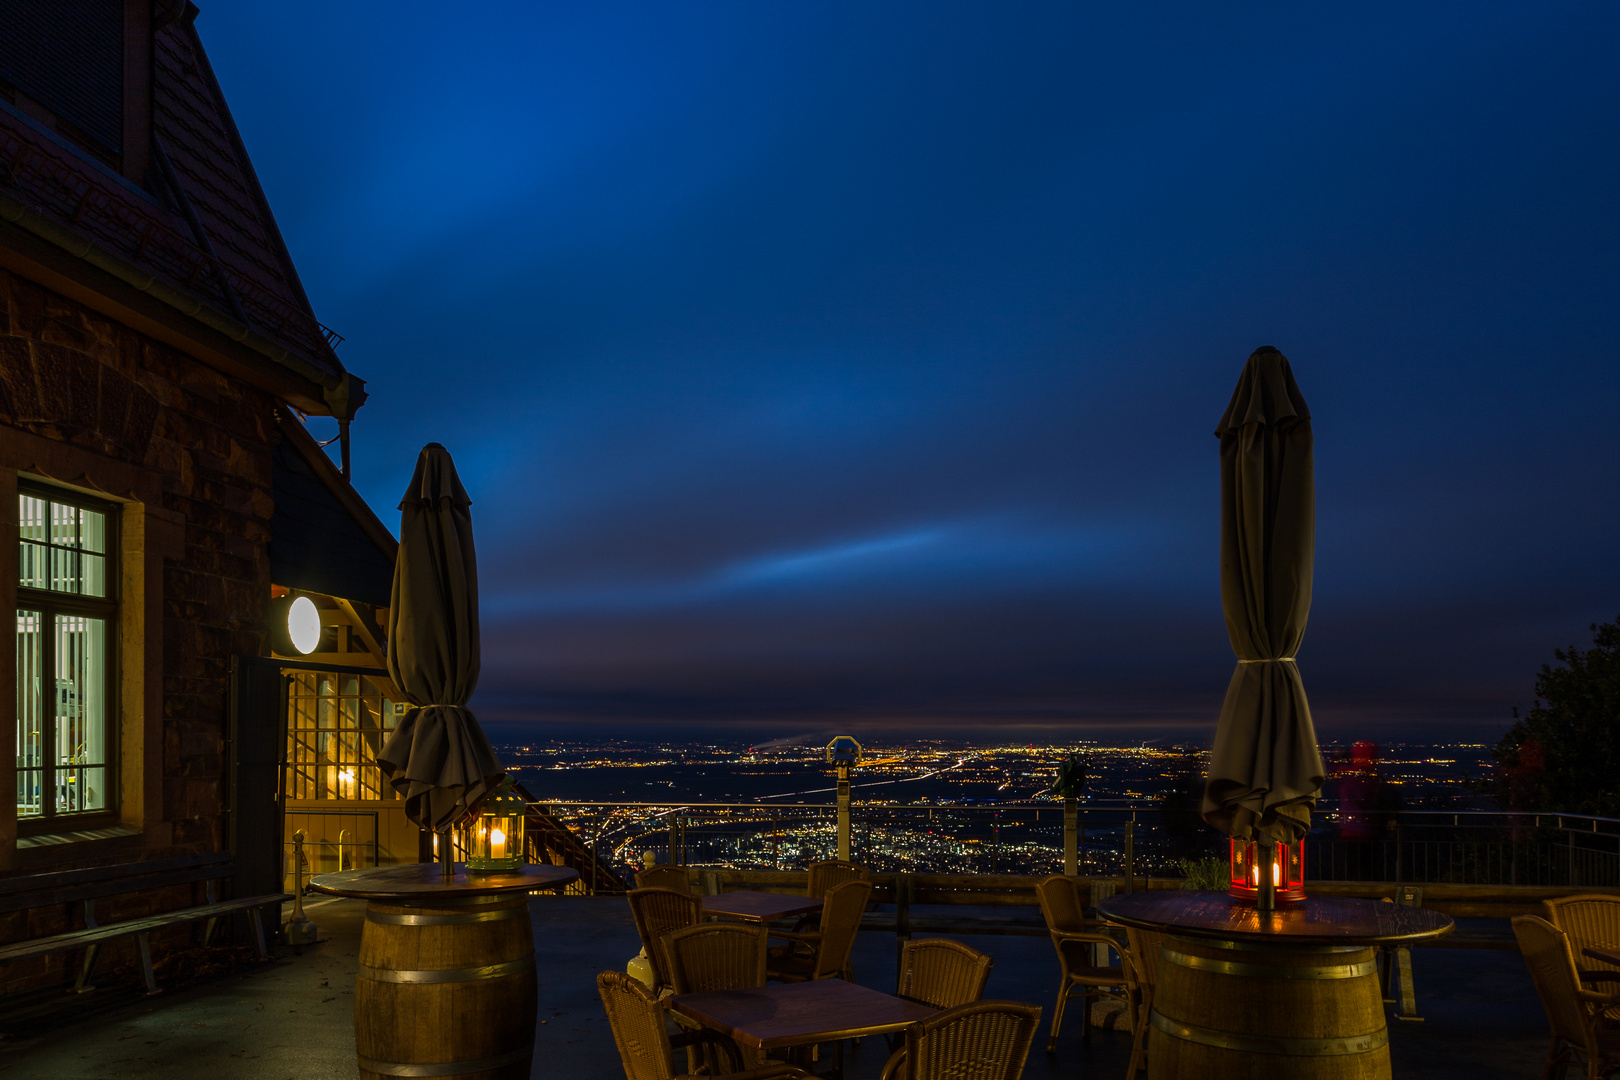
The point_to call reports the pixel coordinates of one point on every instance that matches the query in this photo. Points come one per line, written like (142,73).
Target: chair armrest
(1095,939)
(1592,997)
(773,1071)
(893,1067)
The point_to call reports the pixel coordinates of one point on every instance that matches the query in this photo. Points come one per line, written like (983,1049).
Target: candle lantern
(492,838)
(1287,866)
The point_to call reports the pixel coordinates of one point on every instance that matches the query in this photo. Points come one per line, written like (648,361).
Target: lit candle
(497,844)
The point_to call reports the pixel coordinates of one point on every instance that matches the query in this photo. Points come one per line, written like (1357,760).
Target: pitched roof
(205,230)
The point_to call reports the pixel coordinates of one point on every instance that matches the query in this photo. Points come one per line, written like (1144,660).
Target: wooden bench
(98,882)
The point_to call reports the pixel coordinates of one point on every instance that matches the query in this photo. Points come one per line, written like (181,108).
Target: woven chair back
(1552,968)
(1061,905)
(1588,920)
(638,1027)
(841,913)
(824,875)
(657,912)
(942,973)
(715,956)
(1144,945)
(987,1040)
(665,877)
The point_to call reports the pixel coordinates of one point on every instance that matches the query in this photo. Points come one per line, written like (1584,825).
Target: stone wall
(70,375)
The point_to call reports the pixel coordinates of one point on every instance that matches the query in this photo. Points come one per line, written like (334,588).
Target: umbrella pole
(447,856)
(1267,900)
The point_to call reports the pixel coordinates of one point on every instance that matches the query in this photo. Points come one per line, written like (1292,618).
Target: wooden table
(1240,991)
(446,985)
(760,907)
(781,1015)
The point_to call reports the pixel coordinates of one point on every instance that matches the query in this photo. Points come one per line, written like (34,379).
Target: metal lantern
(492,838)
(1287,869)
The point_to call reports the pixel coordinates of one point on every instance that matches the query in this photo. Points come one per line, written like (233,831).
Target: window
(337,723)
(66,623)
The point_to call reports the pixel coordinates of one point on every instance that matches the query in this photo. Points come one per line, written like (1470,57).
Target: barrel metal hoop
(448,918)
(1268,971)
(1266,1044)
(448,1068)
(447,975)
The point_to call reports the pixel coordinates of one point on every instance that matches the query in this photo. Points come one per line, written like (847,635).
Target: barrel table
(446,985)
(1244,993)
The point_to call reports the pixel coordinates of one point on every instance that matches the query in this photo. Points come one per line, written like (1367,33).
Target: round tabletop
(1322,920)
(425,882)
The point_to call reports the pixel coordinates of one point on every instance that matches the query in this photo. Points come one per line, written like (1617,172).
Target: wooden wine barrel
(1225,1011)
(447,988)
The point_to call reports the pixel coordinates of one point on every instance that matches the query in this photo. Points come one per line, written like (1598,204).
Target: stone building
(157,357)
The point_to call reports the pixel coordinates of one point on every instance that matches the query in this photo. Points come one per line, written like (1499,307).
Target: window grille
(66,624)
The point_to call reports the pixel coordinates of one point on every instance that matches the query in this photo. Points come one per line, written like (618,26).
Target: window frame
(51,604)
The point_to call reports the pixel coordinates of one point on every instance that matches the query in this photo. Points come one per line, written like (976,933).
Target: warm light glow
(497,844)
(304,624)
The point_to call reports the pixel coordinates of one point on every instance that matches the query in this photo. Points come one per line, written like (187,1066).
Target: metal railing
(1472,848)
(324,853)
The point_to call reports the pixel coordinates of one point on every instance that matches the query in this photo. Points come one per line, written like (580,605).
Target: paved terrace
(291,1019)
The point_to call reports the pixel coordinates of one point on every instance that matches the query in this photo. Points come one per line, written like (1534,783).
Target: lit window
(66,617)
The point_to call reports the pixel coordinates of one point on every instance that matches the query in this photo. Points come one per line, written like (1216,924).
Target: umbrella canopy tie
(1273,660)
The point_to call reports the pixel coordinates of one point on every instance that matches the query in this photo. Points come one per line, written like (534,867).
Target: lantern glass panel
(493,838)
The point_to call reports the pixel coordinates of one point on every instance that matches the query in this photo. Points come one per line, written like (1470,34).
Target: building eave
(37,248)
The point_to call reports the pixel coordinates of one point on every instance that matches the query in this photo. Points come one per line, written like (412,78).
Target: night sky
(857,365)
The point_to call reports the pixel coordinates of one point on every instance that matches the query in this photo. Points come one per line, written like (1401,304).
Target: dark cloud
(859,363)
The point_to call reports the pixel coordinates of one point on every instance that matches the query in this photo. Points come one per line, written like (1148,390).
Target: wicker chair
(1590,920)
(645,1046)
(1144,967)
(1074,936)
(717,956)
(942,973)
(987,1040)
(665,877)
(657,912)
(1572,1012)
(824,875)
(823,953)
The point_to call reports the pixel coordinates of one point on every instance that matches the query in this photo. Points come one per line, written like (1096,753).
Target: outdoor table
(1240,991)
(779,1016)
(446,985)
(750,905)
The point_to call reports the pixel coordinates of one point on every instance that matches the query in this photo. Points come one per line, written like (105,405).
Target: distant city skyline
(830,366)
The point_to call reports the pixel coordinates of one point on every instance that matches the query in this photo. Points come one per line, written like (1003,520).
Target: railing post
(1400,835)
(902,922)
(843,812)
(1071,846)
(1130,853)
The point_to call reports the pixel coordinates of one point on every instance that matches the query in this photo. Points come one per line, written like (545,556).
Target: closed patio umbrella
(438,758)
(1265,772)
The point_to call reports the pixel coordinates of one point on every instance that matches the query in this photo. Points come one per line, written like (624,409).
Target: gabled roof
(199,237)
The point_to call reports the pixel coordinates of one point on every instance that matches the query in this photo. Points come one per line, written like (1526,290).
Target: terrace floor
(292,1019)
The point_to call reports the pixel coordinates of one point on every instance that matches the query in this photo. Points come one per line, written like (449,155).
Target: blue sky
(857,364)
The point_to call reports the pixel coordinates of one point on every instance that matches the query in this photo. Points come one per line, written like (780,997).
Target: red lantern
(1288,869)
